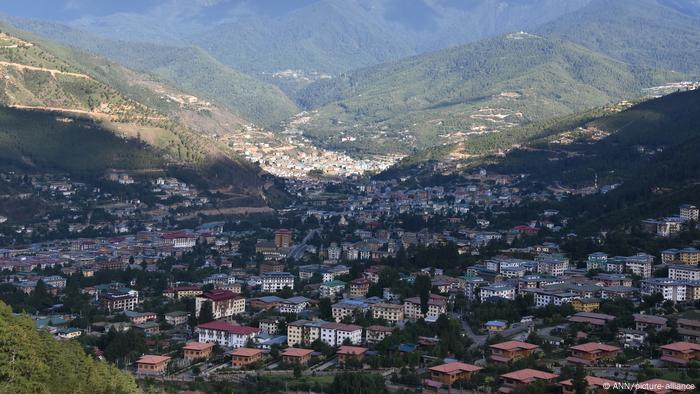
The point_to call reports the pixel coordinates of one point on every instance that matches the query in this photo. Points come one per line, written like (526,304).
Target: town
(433,288)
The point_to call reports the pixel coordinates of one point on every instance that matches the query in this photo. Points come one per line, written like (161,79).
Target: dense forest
(34,362)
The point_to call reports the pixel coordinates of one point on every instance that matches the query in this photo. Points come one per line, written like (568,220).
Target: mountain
(35,362)
(188,68)
(69,111)
(327,36)
(654,33)
(479,88)
(647,150)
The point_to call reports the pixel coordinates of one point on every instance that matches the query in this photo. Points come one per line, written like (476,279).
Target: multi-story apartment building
(501,290)
(689,212)
(283,238)
(670,289)
(376,334)
(226,334)
(179,292)
(224,303)
(437,305)
(293,305)
(335,334)
(276,281)
(348,307)
(552,266)
(392,313)
(331,289)
(119,299)
(358,287)
(684,272)
(545,297)
(303,332)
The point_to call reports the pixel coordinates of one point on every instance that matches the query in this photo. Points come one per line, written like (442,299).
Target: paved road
(298,250)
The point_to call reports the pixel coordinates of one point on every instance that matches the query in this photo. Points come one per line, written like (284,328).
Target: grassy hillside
(185,67)
(33,362)
(479,88)
(655,33)
(67,110)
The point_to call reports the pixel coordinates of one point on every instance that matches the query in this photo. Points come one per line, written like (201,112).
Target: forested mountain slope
(35,362)
(483,87)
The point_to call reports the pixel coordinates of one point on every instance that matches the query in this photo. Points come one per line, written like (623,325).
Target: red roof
(595,347)
(529,375)
(351,350)
(245,352)
(220,295)
(514,345)
(296,352)
(151,359)
(228,327)
(456,367)
(198,346)
(683,347)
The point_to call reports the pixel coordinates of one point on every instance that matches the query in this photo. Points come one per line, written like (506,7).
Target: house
(244,356)
(450,373)
(513,380)
(642,322)
(350,354)
(594,385)
(437,305)
(495,326)
(632,338)
(592,353)
(689,329)
(506,352)
(148,328)
(226,334)
(296,356)
(197,350)
(585,304)
(152,365)
(224,303)
(680,353)
(591,318)
(375,334)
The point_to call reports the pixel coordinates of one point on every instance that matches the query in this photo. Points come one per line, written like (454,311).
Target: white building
(684,272)
(276,281)
(224,303)
(670,289)
(226,334)
(335,334)
(502,290)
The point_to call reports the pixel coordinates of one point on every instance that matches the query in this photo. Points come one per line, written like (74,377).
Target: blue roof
(407,347)
(496,323)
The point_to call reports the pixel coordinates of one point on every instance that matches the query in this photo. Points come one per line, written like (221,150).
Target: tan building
(244,356)
(197,350)
(296,356)
(390,312)
(506,352)
(592,353)
(349,354)
(376,334)
(152,365)
(453,372)
(437,305)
